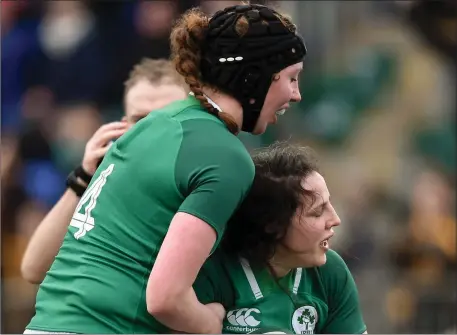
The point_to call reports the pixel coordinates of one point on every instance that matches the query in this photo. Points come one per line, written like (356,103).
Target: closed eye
(317,212)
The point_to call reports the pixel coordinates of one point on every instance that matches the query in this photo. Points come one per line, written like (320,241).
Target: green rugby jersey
(320,300)
(178,159)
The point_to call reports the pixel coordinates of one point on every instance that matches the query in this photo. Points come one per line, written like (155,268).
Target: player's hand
(100,142)
(218,310)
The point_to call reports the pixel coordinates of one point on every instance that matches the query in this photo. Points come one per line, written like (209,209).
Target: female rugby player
(159,202)
(275,270)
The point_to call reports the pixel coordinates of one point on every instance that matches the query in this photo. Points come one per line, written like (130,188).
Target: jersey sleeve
(345,315)
(213,171)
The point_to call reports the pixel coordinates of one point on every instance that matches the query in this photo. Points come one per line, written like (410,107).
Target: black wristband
(80,173)
(72,183)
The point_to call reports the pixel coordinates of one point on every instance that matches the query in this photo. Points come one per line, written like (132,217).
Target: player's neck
(226,103)
(279,269)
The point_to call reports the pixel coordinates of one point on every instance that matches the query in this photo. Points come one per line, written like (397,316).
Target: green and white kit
(320,300)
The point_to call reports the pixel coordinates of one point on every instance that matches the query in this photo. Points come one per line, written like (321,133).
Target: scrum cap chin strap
(244,66)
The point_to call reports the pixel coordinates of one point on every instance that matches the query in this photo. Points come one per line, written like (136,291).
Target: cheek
(276,93)
(268,107)
(284,90)
(304,236)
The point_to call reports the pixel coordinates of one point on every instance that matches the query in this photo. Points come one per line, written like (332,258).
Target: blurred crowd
(378,106)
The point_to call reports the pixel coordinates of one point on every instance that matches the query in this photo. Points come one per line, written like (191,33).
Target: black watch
(82,174)
(72,180)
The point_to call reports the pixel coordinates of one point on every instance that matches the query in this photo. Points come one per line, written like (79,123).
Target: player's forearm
(47,239)
(186,314)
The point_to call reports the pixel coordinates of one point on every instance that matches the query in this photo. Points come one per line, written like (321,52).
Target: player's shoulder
(177,108)
(326,277)
(199,125)
(334,275)
(211,142)
(189,111)
(159,123)
(176,112)
(334,267)
(334,261)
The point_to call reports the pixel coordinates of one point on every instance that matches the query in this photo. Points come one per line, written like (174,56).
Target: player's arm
(47,239)
(48,236)
(170,296)
(214,184)
(345,315)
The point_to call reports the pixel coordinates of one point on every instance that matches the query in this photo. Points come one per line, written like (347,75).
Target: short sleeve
(345,315)
(213,171)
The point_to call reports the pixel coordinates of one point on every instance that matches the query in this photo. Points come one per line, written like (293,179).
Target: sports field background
(378,106)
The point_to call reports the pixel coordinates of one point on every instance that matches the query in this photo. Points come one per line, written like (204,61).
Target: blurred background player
(152,84)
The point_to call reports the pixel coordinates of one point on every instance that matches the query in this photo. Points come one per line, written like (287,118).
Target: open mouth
(325,243)
(280,112)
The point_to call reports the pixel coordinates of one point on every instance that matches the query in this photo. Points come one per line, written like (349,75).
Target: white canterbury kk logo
(243,317)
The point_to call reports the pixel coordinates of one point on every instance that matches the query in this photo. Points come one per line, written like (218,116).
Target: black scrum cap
(244,66)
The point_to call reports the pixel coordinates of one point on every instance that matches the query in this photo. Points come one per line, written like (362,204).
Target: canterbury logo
(243,317)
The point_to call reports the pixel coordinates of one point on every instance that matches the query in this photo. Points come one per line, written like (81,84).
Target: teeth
(324,243)
(280,112)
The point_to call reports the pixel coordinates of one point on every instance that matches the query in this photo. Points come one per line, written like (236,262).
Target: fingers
(100,143)
(112,126)
(118,125)
(99,153)
(108,132)
(109,136)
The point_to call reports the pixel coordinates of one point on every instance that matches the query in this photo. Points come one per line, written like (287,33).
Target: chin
(313,260)
(319,259)
(259,129)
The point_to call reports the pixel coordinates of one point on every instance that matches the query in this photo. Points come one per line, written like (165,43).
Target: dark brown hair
(262,220)
(187,38)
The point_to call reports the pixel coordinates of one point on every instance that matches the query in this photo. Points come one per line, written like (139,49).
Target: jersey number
(84,221)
